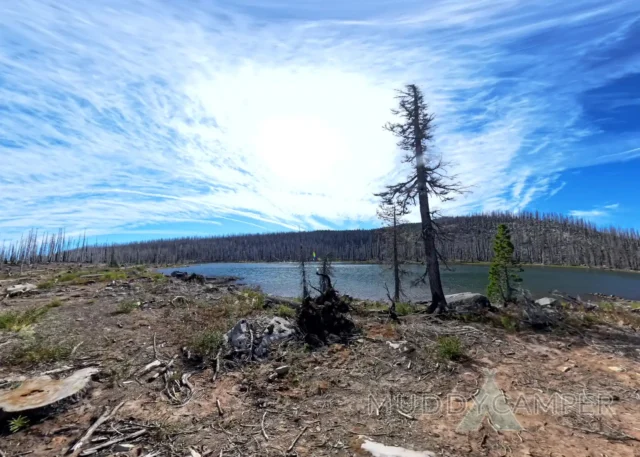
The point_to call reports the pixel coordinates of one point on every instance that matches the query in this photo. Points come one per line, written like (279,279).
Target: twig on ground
(250,343)
(297,438)
(408,416)
(215,375)
(95,449)
(264,433)
(58,370)
(185,382)
(155,347)
(75,348)
(220,410)
(621,436)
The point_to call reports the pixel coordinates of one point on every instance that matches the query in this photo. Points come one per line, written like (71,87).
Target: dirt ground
(575,390)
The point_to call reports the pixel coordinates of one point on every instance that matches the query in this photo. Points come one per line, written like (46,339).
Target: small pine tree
(504,268)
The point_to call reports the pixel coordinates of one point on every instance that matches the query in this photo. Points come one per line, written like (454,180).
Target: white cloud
(596,213)
(588,214)
(557,189)
(122,114)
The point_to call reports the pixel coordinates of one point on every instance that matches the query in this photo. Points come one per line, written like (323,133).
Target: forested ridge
(550,239)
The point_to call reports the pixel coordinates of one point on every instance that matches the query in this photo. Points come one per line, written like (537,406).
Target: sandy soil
(574,390)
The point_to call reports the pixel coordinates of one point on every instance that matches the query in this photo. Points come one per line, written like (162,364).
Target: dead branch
(133,435)
(326,278)
(215,375)
(106,415)
(58,370)
(150,366)
(162,370)
(270,300)
(264,433)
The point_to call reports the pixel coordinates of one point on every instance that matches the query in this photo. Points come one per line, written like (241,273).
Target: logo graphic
(490,402)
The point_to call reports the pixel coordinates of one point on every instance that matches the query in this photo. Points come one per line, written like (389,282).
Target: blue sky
(143,119)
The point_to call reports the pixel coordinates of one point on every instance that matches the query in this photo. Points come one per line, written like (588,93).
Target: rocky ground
(161,383)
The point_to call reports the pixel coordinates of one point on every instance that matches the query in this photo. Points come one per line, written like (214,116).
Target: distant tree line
(550,239)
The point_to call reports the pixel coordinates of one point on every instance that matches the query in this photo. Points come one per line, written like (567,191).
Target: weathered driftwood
(19,289)
(43,391)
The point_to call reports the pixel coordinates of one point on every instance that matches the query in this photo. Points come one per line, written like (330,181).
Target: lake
(367,280)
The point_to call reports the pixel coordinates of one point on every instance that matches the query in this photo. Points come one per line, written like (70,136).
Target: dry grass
(205,344)
(38,350)
(127,307)
(15,321)
(509,322)
(284,311)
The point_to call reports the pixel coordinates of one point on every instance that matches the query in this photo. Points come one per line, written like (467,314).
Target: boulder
(20,289)
(468,303)
(184,276)
(540,316)
(548,301)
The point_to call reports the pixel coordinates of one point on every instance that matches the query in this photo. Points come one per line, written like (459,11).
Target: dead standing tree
(303,275)
(414,132)
(324,273)
(391,214)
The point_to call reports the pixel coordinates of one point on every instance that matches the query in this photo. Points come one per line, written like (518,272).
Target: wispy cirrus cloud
(117,115)
(588,214)
(595,213)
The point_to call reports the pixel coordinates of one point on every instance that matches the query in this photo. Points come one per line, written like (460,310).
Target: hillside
(549,239)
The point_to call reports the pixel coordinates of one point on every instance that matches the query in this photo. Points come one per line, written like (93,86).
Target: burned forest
(550,239)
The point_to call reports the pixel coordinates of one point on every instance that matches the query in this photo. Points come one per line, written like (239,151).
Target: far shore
(371,262)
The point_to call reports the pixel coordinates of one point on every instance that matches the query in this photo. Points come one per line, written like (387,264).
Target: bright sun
(301,151)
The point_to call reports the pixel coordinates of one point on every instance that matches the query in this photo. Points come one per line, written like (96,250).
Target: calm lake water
(367,280)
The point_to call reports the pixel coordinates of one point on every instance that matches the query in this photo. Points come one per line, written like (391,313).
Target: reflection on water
(367,280)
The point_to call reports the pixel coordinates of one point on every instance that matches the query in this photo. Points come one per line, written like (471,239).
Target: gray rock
(468,303)
(283,370)
(548,301)
(20,289)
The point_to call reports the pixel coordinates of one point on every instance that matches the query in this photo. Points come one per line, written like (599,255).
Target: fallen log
(271,300)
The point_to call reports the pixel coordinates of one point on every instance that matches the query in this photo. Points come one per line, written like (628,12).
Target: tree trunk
(438,302)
